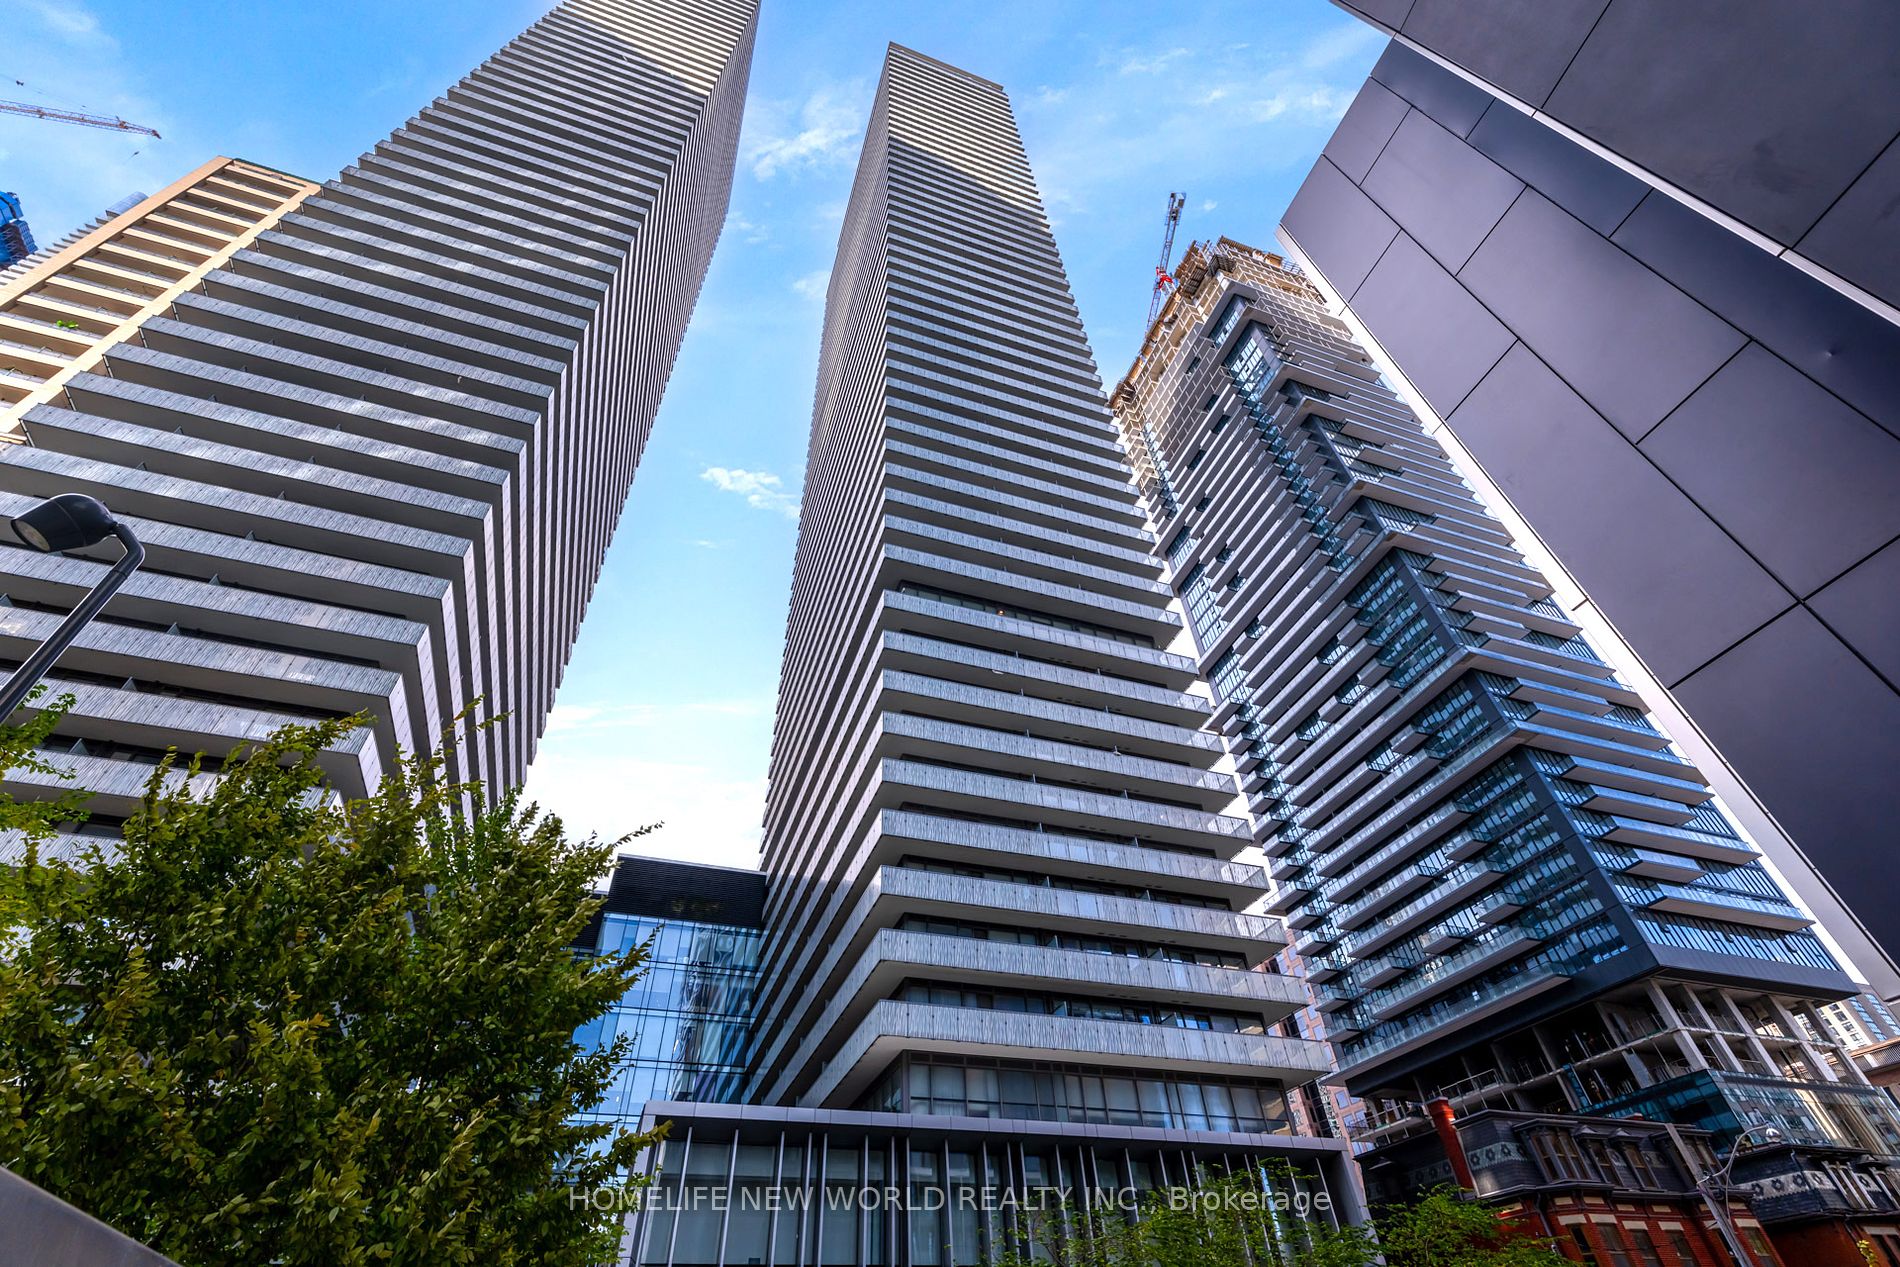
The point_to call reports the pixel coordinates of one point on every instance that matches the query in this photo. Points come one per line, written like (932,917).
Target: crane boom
(1164,282)
(74,116)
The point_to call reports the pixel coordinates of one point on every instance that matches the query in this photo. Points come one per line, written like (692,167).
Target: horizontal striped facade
(990,779)
(377,433)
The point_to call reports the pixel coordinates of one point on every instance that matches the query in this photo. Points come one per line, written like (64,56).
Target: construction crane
(74,116)
(1163,281)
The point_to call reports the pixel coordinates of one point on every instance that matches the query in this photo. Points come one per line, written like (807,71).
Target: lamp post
(70,521)
(1712,1186)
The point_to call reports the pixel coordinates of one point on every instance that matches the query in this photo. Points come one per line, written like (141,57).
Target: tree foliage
(272,1026)
(1233,1220)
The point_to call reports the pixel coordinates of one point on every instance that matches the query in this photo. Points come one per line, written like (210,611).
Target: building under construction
(1507,886)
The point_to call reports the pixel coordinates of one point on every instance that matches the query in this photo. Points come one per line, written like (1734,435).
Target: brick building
(1820,1205)
(1611,1192)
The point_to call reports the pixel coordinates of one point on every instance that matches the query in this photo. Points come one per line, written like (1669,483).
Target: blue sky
(666,711)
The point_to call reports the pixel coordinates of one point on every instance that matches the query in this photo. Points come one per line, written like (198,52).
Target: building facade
(688,1021)
(375,433)
(1822,1207)
(16,236)
(1505,883)
(1008,947)
(1606,1191)
(1632,255)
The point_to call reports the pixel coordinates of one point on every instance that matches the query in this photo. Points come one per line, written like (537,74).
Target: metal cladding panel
(1631,343)
(1347,227)
(1676,586)
(1778,115)
(1523,48)
(1588,188)
(1804,483)
(1701,432)
(1450,194)
(1859,237)
(1771,142)
(1863,608)
(1444,331)
(1368,124)
(444,363)
(1813,725)
(1836,342)
(685,890)
(982,732)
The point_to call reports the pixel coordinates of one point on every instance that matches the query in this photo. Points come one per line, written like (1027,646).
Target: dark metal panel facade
(1702,433)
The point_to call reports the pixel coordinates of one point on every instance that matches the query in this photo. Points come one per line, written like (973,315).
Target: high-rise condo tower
(1508,887)
(1007,944)
(375,434)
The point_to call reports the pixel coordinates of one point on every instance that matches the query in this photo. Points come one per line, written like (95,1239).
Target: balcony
(1484,952)
(1733,908)
(892,1028)
(1397,1040)
(894,955)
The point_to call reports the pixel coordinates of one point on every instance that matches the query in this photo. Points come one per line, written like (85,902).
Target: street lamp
(70,521)
(1714,1184)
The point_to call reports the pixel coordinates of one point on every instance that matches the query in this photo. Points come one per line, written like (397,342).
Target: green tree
(1446,1228)
(277,1027)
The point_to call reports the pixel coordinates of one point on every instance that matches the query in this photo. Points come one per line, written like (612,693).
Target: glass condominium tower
(1506,884)
(375,433)
(1007,943)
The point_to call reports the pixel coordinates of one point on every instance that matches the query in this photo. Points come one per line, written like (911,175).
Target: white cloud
(822,131)
(1106,136)
(67,174)
(69,22)
(706,815)
(1150,63)
(761,490)
(752,232)
(812,285)
(1208,204)
(607,768)
(1320,104)
(1342,43)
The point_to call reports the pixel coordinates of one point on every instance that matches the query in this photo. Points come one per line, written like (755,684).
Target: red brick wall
(1706,1246)
(1820,1244)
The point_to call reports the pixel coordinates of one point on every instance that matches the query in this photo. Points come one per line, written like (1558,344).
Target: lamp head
(69,521)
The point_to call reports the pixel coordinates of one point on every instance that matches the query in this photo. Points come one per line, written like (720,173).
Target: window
(1641,1167)
(1616,1250)
(1229,318)
(1557,1153)
(1679,1241)
(1758,1246)
(1589,1255)
(1227,675)
(1644,1246)
(1203,607)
